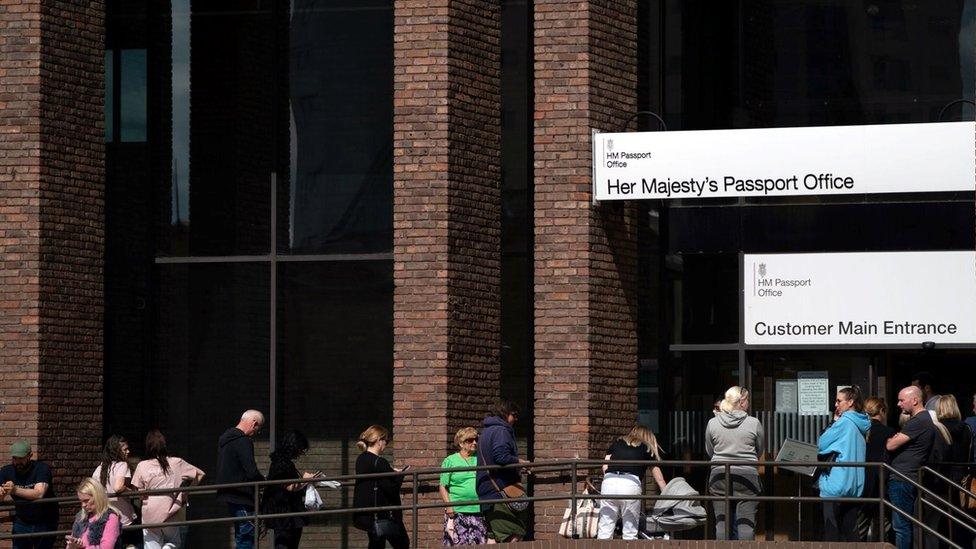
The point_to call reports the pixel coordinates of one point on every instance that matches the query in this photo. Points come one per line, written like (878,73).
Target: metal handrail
(559,466)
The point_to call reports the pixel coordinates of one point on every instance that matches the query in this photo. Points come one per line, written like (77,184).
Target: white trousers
(612,509)
(161,538)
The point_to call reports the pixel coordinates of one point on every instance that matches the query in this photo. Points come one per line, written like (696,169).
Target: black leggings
(287,538)
(400,541)
(840,521)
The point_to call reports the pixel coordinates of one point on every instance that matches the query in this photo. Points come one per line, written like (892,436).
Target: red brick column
(585,254)
(52,231)
(447,226)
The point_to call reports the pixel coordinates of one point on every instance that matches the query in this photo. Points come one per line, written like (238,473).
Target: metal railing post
(572,513)
(728,502)
(416,519)
(918,534)
(257,521)
(881,506)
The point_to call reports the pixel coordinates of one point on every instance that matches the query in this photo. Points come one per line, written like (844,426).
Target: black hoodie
(235,463)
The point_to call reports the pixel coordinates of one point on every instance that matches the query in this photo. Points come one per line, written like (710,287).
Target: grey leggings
(743,512)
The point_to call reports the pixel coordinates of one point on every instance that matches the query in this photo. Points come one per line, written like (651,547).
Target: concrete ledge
(684,544)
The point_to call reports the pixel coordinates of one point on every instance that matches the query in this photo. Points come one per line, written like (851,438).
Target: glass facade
(249,265)
(249,211)
(250,226)
(786,63)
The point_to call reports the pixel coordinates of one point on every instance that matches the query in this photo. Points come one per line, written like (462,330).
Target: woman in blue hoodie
(496,446)
(845,440)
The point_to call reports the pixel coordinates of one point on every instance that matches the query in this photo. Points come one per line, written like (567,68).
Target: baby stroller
(671,515)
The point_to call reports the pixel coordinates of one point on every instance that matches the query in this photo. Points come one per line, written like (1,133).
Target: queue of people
(479,507)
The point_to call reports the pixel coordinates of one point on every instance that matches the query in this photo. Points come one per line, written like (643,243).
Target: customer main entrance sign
(859,298)
(833,160)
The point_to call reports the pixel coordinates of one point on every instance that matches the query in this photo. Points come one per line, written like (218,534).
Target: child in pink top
(96,526)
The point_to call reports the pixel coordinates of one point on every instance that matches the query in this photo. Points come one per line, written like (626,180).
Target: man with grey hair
(910,450)
(235,463)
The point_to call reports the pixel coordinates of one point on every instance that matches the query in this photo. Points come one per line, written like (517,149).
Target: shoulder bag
(384,525)
(512,491)
(587,518)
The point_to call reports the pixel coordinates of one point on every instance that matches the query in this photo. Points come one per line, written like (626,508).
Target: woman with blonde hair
(875,452)
(463,524)
(639,444)
(96,526)
(378,492)
(959,450)
(734,435)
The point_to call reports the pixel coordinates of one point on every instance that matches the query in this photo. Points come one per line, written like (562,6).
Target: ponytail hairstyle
(111,453)
(372,435)
(156,449)
(733,398)
(875,406)
(853,393)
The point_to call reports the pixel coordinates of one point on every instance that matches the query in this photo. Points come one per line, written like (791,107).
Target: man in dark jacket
(235,463)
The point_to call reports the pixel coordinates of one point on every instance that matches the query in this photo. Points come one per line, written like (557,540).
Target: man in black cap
(21,482)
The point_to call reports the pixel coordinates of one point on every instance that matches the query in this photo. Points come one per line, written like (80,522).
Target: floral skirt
(469,529)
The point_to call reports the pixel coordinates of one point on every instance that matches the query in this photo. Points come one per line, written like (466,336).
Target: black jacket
(387,493)
(235,463)
(277,499)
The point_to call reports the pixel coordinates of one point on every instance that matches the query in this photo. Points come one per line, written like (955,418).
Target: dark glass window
(212,349)
(109,105)
(517,326)
(209,103)
(215,73)
(335,368)
(132,102)
(340,157)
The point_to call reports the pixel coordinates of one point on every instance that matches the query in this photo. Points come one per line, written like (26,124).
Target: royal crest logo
(762,269)
(610,145)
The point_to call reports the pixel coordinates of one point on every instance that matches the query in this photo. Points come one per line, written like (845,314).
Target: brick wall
(585,254)
(446,225)
(51,231)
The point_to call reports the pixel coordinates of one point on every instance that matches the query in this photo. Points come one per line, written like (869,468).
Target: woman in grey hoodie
(734,435)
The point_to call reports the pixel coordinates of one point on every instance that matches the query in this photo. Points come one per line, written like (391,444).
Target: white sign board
(801,452)
(860,298)
(786,395)
(889,158)
(814,399)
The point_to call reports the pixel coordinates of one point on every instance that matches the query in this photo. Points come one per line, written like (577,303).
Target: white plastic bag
(313,502)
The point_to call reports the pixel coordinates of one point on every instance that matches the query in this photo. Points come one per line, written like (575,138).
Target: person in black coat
(877,437)
(378,492)
(960,449)
(286,498)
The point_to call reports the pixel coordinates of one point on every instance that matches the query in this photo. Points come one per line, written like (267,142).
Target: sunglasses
(470,440)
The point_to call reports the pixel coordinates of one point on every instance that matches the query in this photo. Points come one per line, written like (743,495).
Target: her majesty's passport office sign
(859,298)
(889,158)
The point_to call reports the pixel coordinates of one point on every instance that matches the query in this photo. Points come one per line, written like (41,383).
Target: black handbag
(384,525)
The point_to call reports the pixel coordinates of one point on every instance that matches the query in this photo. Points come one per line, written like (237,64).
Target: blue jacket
(496,446)
(846,437)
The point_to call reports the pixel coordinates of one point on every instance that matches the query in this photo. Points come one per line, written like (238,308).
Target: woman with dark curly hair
(115,476)
(286,498)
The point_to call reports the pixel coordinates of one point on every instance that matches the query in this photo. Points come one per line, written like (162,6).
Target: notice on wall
(813,395)
(860,298)
(885,158)
(786,395)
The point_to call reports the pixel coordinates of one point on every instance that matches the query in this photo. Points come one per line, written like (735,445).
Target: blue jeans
(33,543)
(243,530)
(902,496)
